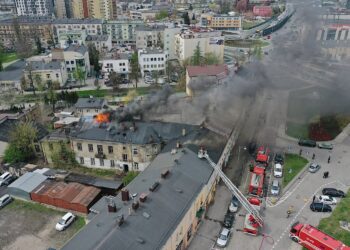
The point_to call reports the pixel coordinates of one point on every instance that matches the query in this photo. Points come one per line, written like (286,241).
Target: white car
(278,170)
(65,221)
(5,178)
(223,237)
(325,199)
(275,188)
(4,200)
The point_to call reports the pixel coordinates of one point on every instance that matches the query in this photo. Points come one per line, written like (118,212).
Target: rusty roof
(207,70)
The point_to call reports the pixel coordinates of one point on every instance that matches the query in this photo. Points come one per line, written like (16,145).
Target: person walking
(313,156)
(329,159)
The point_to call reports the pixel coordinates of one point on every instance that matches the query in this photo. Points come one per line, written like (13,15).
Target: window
(110,149)
(81,160)
(135,151)
(136,166)
(67,62)
(99,149)
(57,75)
(79,146)
(48,76)
(102,163)
(112,163)
(92,160)
(50,146)
(124,147)
(37,148)
(91,147)
(125,157)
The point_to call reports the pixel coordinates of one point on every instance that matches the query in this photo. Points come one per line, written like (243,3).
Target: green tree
(22,43)
(116,79)
(1,57)
(63,155)
(21,145)
(155,76)
(210,59)
(129,177)
(135,68)
(79,74)
(257,52)
(196,58)
(29,70)
(51,98)
(94,57)
(162,14)
(39,82)
(24,84)
(39,47)
(186,18)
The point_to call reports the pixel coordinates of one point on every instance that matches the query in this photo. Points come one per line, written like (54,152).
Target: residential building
(264,11)
(49,72)
(30,28)
(74,37)
(221,22)
(75,56)
(153,59)
(122,31)
(100,9)
(54,142)
(10,77)
(215,74)
(118,63)
(34,7)
(7,6)
(169,40)
(172,196)
(90,106)
(80,9)
(103,43)
(209,41)
(149,36)
(61,9)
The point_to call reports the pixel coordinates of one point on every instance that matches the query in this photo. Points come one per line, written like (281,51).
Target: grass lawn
(331,226)
(297,130)
(8,57)
(103,173)
(31,206)
(293,164)
(246,43)
(248,24)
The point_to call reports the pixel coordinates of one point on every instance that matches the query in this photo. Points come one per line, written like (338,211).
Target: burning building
(90,106)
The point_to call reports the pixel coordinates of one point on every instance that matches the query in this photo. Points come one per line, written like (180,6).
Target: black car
(251,147)
(279,158)
(333,192)
(229,219)
(307,143)
(320,207)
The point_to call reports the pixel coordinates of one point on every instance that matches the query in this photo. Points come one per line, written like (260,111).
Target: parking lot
(27,225)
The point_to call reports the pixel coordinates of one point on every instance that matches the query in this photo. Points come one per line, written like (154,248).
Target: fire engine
(256,185)
(263,156)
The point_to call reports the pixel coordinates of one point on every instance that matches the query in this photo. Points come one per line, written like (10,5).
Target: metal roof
(40,65)
(89,103)
(166,206)
(28,182)
(93,181)
(82,49)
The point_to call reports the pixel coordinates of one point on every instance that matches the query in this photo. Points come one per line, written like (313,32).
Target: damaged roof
(207,70)
(92,103)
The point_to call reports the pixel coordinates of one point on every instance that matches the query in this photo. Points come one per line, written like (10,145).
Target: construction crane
(235,191)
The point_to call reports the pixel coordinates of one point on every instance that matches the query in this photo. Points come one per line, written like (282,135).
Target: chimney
(125,194)
(143,197)
(112,208)
(183,132)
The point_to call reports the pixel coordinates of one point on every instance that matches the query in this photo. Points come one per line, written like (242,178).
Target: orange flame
(102,118)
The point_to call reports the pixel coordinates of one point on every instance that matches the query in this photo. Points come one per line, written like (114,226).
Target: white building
(149,36)
(103,43)
(90,106)
(151,59)
(116,63)
(209,42)
(169,40)
(34,7)
(74,37)
(122,30)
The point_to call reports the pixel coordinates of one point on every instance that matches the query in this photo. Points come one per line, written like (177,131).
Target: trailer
(314,239)
(256,185)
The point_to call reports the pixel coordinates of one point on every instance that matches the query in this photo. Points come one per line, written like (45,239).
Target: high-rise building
(60,9)
(101,9)
(34,7)
(7,6)
(80,8)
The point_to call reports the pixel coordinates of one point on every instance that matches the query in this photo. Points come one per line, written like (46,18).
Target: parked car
(313,168)
(327,200)
(5,179)
(307,143)
(320,207)
(275,188)
(223,237)
(65,221)
(5,199)
(149,81)
(325,146)
(234,204)
(125,81)
(333,192)
(278,170)
(279,158)
(229,219)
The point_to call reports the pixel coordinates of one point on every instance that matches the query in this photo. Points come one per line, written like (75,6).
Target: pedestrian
(313,156)
(329,159)
(325,175)
(300,151)
(313,199)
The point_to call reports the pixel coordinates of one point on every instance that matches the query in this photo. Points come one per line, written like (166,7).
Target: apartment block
(34,7)
(152,59)
(150,36)
(221,22)
(122,31)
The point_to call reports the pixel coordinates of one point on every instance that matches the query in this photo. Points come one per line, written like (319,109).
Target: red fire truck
(263,156)
(314,239)
(250,225)
(256,184)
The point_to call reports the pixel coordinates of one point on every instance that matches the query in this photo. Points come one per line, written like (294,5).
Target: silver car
(313,168)
(4,200)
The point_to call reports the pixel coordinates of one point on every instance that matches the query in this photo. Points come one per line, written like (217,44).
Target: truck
(251,227)
(256,185)
(263,156)
(314,239)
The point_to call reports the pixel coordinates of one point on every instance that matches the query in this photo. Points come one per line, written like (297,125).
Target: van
(275,188)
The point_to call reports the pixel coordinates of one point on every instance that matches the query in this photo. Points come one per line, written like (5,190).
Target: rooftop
(77,48)
(92,103)
(93,181)
(28,182)
(28,20)
(156,219)
(207,70)
(150,28)
(97,38)
(42,65)
(13,72)
(152,51)
(76,21)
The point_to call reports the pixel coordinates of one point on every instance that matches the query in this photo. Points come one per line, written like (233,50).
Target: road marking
(301,209)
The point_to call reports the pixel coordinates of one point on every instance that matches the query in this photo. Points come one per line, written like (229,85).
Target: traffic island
(331,225)
(293,165)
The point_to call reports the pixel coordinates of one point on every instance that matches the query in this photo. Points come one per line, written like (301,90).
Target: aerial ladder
(217,167)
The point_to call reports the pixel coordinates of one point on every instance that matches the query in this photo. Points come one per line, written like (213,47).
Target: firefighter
(289,211)
(325,175)
(329,159)
(300,151)
(313,156)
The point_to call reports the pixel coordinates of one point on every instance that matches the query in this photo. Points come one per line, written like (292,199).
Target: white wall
(117,65)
